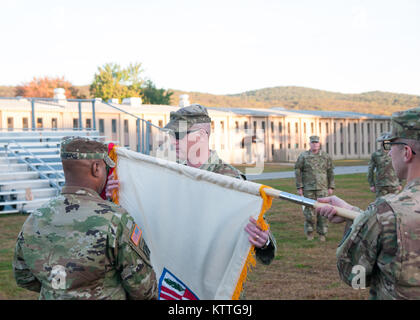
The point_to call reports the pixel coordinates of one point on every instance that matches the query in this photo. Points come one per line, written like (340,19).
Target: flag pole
(345,213)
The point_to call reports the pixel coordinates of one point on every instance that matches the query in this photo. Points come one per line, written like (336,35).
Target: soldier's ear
(95,168)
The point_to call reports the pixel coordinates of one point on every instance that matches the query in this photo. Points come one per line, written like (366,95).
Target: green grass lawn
(300,270)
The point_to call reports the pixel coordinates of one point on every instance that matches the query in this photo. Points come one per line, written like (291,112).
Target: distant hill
(296,98)
(300,98)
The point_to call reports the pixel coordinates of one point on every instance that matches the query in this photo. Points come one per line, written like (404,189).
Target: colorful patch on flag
(171,288)
(136,235)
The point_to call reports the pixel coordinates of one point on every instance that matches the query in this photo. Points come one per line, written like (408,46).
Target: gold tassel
(250,260)
(114,157)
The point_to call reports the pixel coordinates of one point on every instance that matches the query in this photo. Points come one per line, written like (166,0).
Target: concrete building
(238,135)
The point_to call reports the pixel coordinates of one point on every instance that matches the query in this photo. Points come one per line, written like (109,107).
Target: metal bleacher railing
(33,153)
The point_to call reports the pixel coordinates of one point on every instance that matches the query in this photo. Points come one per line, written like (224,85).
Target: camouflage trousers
(310,214)
(382,191)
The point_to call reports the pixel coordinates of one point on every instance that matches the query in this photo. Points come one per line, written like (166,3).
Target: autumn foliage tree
(44,88)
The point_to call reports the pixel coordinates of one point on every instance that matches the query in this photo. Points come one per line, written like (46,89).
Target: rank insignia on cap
(136,235)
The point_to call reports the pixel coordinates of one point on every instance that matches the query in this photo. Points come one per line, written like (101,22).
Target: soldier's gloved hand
(330,191)
(300,191)
(330,212)
(112,184)
(373,189)
(257,237)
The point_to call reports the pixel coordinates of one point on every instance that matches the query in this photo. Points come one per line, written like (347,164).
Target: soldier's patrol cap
(384,137)
(82,148)
(313,139)
(191,115)
(405,124)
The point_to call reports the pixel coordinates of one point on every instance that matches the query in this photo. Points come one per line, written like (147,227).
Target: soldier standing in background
(381,247)
(385,180)
(314,173)
(79,246)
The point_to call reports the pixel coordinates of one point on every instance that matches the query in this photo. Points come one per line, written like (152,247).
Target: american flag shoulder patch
(136,235)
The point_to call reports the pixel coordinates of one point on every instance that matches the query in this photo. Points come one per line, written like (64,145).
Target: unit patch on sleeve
(136,235)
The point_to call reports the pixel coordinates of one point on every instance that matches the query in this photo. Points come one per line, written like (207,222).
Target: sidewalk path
(291,174)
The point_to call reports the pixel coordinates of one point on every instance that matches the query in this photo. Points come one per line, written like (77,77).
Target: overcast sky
(220,47)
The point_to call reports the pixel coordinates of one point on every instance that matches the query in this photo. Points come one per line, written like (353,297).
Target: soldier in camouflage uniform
(382,245)
(195,136)
(385,180)
(190,130)
(79,246)
(314,173)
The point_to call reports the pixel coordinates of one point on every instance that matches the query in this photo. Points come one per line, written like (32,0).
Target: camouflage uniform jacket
(385,241)
(79,246)
(314,171)
(385,173)
(217,165)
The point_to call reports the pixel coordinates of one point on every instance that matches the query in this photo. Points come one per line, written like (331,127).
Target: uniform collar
(81,191)
(413,183)
(213,158)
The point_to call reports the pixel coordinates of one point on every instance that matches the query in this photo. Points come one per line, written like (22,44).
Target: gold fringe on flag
(114,157)
(250,260)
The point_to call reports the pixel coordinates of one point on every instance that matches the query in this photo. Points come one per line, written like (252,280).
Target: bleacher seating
(31,172)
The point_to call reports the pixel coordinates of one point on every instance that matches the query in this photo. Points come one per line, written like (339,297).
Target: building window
(382,127)
(288,128)
(272,150)
(101,126)
(312,128)
(297,146)
(75,123)
(335,147)
(255,128)
(246,125)
(39,123)
(263,126)
(126,135)
(222,127)
(341,148)
(160,123)
(320,128)
(10,123)
(54,123)
(25,123)
(389,126)
(304,127)
(236,126)
(355,147)
(114,125)
(88,123)
(280,127)
(327,130)
(281,145)
(288,146)
(212,126)
(272,127)
(296,127)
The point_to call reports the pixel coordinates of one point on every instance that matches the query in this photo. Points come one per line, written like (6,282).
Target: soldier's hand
(300,191)
(257,237)
(373,189)
(112,184)
(330,212)
(330,191)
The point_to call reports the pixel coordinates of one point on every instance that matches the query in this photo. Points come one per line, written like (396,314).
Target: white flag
(193,222)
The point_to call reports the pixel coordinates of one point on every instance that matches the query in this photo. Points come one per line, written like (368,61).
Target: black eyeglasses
(388,144)
(182,134)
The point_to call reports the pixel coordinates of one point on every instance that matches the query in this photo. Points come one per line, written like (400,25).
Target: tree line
(111,81)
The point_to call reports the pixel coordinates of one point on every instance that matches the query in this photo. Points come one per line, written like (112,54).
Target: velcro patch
(136,235)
